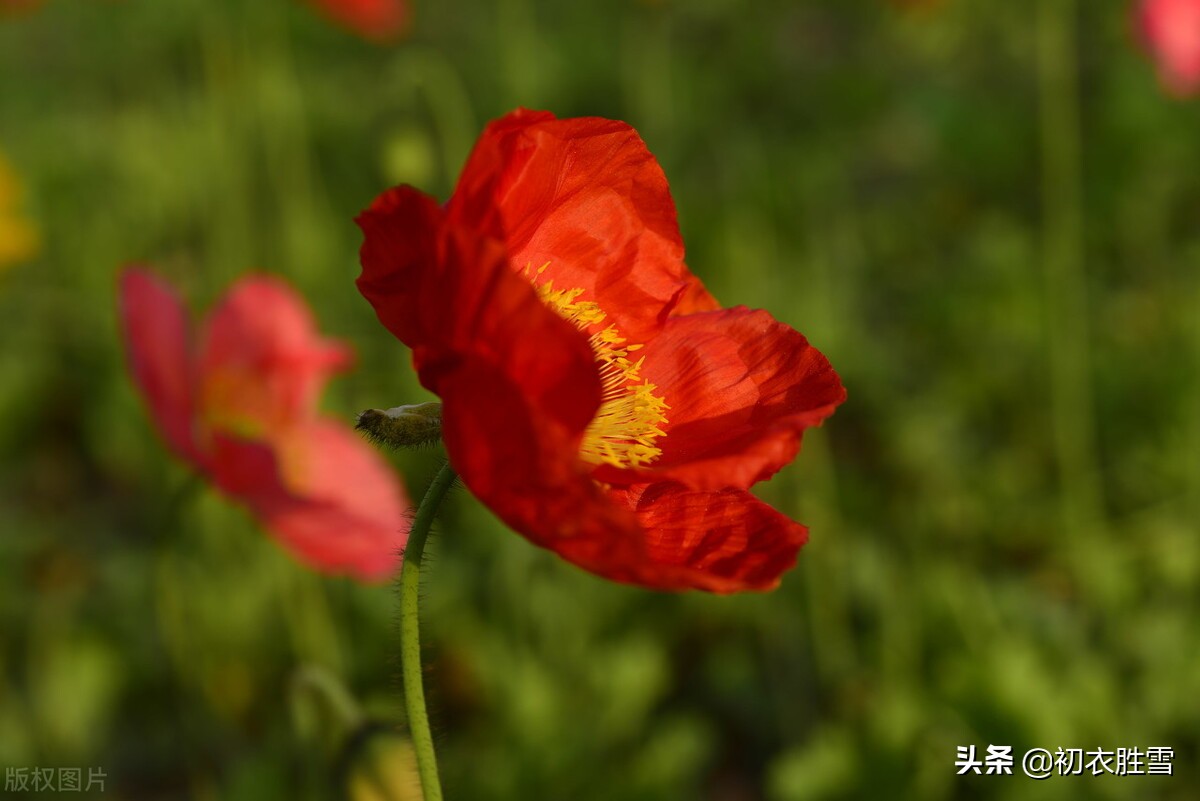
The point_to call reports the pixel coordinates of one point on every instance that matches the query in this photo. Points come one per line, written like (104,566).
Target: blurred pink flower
(1171,29)
(239,404)
(377,20)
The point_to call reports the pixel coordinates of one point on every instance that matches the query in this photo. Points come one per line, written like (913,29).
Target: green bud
(403,426)
(410,157)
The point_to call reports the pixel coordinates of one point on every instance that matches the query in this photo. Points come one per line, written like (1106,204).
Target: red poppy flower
(1171,29)
(377,20)
(595,395)
(241,407)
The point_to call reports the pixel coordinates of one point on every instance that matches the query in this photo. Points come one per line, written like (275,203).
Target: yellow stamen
(625,428)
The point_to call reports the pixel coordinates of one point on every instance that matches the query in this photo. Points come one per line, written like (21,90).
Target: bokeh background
(985,214)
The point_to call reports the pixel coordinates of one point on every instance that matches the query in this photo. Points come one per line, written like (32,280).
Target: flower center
(625,428)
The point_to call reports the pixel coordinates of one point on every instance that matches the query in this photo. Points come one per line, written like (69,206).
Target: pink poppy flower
(1171,29)
(238,402)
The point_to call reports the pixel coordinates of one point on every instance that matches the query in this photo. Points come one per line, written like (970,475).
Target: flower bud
(403,426)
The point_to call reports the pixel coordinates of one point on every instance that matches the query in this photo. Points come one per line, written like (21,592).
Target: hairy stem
(410,638)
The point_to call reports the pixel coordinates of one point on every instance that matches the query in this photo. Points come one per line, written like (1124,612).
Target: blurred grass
(899,186)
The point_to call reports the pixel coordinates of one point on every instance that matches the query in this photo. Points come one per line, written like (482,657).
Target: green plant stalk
(324,686)
(410,638)
(1065,280)
(434,78)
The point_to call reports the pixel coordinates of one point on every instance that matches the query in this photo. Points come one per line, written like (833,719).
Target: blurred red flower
(596,396)
(18,6)
(377,20)
(1171,29)
(240,405)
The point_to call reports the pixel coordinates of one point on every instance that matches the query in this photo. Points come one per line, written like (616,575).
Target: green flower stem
(322,685)
(410,638)
(1065,280)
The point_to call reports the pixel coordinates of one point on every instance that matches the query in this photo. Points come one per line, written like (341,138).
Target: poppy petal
(518,383)
(399,260)
(325,495)
(727,541)
(740,389)
(521,465)
(525,470)
(585,199)
(159,349)
(694,298)
(452,298)
(263,362)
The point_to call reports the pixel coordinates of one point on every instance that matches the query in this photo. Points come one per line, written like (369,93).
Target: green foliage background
(985,214)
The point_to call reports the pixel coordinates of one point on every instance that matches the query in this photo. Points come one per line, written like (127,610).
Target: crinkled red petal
(586,199)
(261,358)
(694,298)
(741,388)
(518,383)
(323,493)
(493,316)
(723,542)
(448,294)
(158,346)
(400,263)
(523,466)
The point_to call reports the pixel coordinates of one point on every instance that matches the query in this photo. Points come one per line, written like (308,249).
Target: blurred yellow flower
(381,766)
(19,239)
